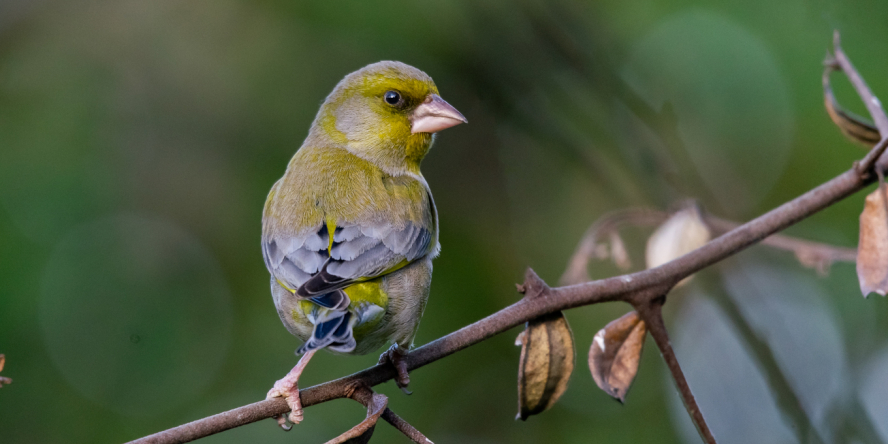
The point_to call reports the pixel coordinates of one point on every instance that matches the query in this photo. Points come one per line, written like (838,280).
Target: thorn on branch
(533,286)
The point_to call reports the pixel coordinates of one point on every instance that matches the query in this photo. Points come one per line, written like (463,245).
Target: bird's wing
(294,259)
(314,266)
(359,253)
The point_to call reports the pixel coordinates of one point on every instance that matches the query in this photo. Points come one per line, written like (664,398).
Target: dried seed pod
(872,249)
(615,353)
(682,233)
(852,126)
(547,360)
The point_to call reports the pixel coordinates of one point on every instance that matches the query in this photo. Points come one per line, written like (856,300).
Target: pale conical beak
(433,115)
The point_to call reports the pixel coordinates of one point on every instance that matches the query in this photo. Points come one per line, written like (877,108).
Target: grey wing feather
(372,253)
(294,259)
(347,251)
(373,262)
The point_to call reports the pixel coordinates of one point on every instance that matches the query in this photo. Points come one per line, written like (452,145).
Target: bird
(350,230)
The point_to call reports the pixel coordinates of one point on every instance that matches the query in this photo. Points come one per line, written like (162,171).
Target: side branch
(652,314)
(811,254)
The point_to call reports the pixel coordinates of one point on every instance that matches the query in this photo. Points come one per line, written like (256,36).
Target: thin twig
(652,314)
(873,105)
(376,404)
(817,255)
(365,395)
(576,271)
(404,427)
(866,164)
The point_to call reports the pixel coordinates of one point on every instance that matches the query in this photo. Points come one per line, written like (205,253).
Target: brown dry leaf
(852,126)
(2,379)
(615,353)
(547,360)
(682,233)
(872,249)
(361,433)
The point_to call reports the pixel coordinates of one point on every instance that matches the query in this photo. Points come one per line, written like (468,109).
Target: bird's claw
(395,356)
(288,390)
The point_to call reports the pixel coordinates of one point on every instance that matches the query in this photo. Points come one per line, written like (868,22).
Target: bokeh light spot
(135,313)
(729,97)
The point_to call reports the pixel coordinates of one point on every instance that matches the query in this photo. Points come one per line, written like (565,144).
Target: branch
(561,298)
(642,289)
(811,254)
(366,396)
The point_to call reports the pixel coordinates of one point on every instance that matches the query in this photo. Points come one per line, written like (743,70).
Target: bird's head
(386,113)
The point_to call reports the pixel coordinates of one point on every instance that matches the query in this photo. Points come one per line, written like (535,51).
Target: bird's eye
(392,98)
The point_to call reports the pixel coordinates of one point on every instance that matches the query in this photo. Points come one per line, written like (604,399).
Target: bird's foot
(395,355)
(288,388)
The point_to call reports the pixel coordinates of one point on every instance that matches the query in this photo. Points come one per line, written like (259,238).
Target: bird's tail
(333,329)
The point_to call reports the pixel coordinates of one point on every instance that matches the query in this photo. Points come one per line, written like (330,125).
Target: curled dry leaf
(682,233)
(547,360)
(872,249)
(615,353)
(361,433)
(852,126)
(2,363)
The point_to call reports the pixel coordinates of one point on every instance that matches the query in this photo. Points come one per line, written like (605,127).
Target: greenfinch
(349,232)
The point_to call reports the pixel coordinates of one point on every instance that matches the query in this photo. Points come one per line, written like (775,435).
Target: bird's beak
(433,115)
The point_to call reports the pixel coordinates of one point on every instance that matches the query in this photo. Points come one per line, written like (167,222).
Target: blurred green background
(138,140)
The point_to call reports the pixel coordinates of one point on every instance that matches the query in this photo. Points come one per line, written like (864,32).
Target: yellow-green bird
(349,232)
